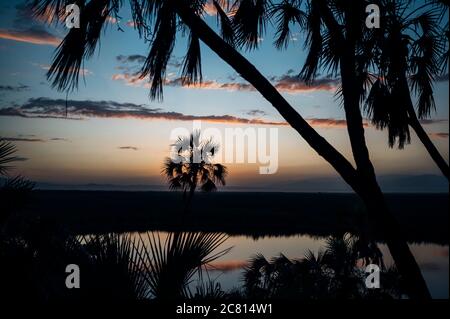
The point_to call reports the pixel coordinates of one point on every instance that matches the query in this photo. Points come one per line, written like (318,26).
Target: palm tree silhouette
(335,32)
(191,166)
(334,272)
(14,191)
(411,46)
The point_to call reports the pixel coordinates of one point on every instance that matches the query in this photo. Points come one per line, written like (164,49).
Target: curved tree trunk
(414,123)
(362,180)
(426,141)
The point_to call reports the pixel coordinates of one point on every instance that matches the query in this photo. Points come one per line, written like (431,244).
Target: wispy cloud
(56,109)
(293,84)
(256,112)
(134,58)
(133,148)
(61,139)
(14,88)
(21,139)
(81,71)
(31,139)
(286,84)
(33,34)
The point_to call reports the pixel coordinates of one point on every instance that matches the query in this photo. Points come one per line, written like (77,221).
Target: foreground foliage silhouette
(336,272)
(336,30)
(14,190)
(174,266)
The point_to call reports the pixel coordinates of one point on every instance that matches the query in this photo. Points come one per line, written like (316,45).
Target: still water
(433,259)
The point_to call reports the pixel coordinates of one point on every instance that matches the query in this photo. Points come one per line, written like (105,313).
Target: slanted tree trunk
(426,141)
(362,180)
(414,122)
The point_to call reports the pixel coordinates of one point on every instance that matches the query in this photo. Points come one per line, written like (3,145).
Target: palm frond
(314,43)
(162,44)
(18,184)
(80,43)
(286,13)
(250,21)
(7,151)
(170,264)
(225,23)
(192,65)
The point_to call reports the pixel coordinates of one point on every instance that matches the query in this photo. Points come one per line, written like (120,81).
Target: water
(433,259)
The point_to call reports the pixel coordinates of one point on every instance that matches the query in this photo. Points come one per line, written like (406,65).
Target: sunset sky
(114,134)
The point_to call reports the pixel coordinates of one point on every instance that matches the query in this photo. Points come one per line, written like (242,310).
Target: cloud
(438,135)
(256,112)
(293,84)
(31,138)
(133,148)
(131,58)
(14,88)
(324,122)
(62,139)
(286,83)
(21,139)
(78,110)
(56,108)
(34,35)
(81,71)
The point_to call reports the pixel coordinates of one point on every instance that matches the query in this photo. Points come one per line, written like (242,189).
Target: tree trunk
(372,195)
(362,180)
(426,141)
(414,123)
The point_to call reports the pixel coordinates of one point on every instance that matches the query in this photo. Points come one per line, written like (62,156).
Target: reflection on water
(228,269)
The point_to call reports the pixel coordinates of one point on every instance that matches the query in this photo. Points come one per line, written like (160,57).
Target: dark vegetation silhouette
(336,272)
(191,166)
(172,267)
(15,190)
(336,35)
(408,54)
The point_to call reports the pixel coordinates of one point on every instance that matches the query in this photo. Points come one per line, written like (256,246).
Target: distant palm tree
(191,166)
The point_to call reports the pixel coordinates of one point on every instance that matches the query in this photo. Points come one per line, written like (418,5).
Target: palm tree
(339,43)
(170,265)
(191,166)
(410,46)
(161,19)
(334,272)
